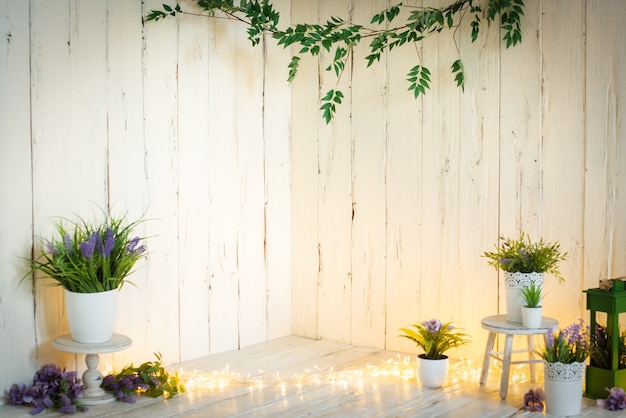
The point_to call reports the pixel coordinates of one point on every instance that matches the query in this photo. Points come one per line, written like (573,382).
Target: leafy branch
(338,37)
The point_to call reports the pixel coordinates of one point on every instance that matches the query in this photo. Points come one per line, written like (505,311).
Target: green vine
(338,37)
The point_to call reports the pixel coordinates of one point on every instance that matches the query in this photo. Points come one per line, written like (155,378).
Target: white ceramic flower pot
(531,317)
(91,316)
(432,373)
(513,282)
(563,387)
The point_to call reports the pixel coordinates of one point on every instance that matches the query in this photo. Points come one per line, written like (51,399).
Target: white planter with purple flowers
(91,316)
(563,384)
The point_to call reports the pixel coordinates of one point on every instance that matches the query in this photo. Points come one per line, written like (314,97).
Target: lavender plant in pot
(91,261)
(523,262)
(565,359)
(435,338)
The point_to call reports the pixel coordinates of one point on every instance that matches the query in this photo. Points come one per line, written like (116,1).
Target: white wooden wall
(394,203)
(268,222)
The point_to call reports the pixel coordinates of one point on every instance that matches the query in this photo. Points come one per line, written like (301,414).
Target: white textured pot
(432,373)
(91,316)
(531,317)
(513,282)
(563,387)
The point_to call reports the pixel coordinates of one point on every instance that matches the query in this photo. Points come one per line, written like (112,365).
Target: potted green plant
(524,261)
(532,310)
(565,357)
(91,261)
(435,338)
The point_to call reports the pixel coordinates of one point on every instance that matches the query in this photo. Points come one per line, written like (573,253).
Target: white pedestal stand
(93,394)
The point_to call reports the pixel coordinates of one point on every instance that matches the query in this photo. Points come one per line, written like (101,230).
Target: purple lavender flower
(616,400)
(51,249)
(550,338)
(109,242)
(68,243)
(132,246)
(533,400)
(433,326)
(19,394)
(87,248)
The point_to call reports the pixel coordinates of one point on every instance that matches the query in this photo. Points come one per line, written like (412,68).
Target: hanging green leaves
(337,37)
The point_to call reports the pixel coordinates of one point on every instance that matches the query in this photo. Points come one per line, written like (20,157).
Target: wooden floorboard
(299,377)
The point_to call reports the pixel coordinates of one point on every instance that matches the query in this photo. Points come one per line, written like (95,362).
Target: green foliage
(150,379)
(532,294)
(602,348)
(91,258)
(329,100)
(435,337)
(522,255)
(572,344)
(338,37)
(420,78)
(457,67)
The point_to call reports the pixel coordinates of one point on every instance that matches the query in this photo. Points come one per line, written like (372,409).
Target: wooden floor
(298,377)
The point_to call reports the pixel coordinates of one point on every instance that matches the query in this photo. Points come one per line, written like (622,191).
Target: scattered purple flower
(533,400)
(616,400)
(51,388)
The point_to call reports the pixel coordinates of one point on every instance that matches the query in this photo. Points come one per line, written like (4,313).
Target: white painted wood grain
(335,201)
(17,322)
(403,198)
(304,155)
(368,194)
(162,164)
(478,178)
(439,277)
(195,183)
(562,199)
(225,191)
(277,179)
(251,251)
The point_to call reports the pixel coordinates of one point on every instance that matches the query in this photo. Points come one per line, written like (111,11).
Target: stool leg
(531,357)
(487,359)
(506,366)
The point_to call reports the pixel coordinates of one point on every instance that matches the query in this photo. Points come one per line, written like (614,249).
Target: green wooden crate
(597,380)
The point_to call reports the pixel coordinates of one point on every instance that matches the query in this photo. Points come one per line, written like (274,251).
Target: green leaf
(457,67)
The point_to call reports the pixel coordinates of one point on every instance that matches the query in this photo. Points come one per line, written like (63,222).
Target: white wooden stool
(498,324)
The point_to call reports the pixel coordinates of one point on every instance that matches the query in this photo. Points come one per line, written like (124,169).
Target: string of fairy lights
(402,369)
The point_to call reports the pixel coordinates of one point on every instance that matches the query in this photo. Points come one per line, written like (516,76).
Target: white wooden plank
(368,182)
(161,290)
(335,202)
(604,71)
(225,190)
(17,322)
(403,194)
(562,208)
(251,251)
(304,187)
(439,276)
(277,98)
(195,182)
